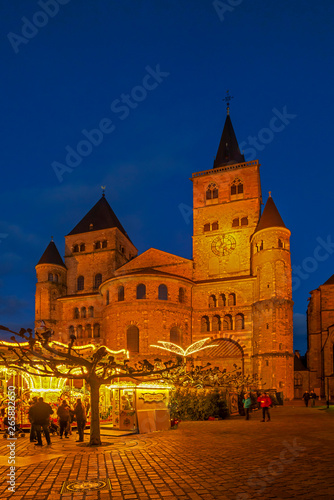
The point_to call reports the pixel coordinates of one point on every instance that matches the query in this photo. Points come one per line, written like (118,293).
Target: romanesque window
(261,245)
(76,248)
(206,227)
(280,243)
(96,330)
(82,247)
(120,293)
(76,313)
(50,277)
(97,245)
(227,323)
(216,323)
(79,331)
(298,380)
(205,324)
(235,222)
(162,292)
(91,312)
(175,335)
(231,299)
(80,283)
(222,299)
(212,301)
(181,295)
(244,221)
(104,244)
(141,291)
(88,331)
(212,191)
(237,187)
(55,278)
(97,280)
(239,322)
(215,226)
(132,339)
(83,312)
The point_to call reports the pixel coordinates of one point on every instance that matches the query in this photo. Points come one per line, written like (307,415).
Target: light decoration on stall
(176,349)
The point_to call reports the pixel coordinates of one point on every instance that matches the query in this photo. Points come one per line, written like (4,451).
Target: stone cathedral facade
(236,290)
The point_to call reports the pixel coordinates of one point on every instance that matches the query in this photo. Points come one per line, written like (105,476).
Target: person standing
(40,414)
(265,402)
(247,402)
(306,398)
(63,413)
(313,396)
(80,414)
(32,425)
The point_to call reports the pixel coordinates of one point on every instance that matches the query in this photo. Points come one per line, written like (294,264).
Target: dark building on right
(320,339)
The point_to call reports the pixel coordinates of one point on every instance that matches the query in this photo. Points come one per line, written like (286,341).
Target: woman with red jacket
(265,402)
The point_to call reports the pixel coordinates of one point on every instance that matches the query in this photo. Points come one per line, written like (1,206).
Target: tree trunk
(95,436)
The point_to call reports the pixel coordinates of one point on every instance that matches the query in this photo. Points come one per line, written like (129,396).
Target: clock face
(223,245)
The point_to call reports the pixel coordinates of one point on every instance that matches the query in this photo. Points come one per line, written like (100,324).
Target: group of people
(40,414)
(307,396)
(264,401)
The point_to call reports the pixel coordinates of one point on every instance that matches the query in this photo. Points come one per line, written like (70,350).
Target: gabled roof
(101,216)
(228,151)
(270,216)
(51,256)
(330,281)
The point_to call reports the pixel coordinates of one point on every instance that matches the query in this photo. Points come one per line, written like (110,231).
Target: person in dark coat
(32,426)
(80,414)
(63,413)
(40,414)
(306,397)
(313,396)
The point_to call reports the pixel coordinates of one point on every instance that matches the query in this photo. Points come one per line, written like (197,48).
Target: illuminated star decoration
(176,349)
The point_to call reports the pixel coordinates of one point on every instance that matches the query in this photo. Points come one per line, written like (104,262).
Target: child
(247,402)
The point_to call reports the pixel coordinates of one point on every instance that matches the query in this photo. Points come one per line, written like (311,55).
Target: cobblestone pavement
(291,457)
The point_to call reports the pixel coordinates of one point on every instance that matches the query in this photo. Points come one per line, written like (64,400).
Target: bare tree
(39,355)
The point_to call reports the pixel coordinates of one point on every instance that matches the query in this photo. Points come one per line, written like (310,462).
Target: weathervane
(227,100)
(103,190)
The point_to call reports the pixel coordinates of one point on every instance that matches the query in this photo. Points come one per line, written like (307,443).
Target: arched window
(50,277)
(212,191)
(231,299)
(181,295)
(96,330)
(91,312)
(239,322)
(107,297)
(298,380)
(97,280)
(141,291)
(132,339)
(71,330)
(237,187)
(216,323)
(206,227)
(244,221)
(162,292)
(222,300)
(280,243)
(235,222)
(205,324)
(79,331)
(55,278)
(212,301)
(175,335)
(104,244)
(88,331)
(83,312)
(120,293)
(76,248)
(81,283)
(227,323)
(215,226)
(76,313)
(82,247)
(97,245)
(261,245)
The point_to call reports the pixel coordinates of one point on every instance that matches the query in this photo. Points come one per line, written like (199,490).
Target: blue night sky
(69,74)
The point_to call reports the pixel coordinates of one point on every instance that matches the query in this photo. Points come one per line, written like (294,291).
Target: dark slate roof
(51,256)
(299,365)
(330,281)
(228,151)
(101,216)
(270,216)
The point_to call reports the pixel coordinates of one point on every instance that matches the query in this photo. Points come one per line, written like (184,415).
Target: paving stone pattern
(290,457)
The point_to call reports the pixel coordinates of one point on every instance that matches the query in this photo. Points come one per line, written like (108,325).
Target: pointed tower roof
(228,151)
(101,216)
(330,281)
(270,216)
(51,256)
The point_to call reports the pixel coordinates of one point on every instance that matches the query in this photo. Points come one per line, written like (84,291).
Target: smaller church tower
(272,309)
(51,284)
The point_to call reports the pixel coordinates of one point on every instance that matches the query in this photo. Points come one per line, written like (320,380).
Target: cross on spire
(227,99)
